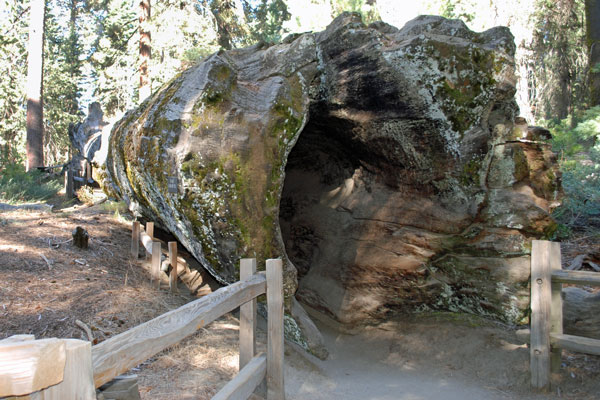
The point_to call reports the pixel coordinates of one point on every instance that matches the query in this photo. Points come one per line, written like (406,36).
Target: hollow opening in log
(328,218)
(318,167)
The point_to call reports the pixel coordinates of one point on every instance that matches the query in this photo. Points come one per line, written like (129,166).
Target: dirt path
(428,357)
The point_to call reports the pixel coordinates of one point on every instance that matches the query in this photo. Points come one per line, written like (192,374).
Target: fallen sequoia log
(383,165)
(581,312)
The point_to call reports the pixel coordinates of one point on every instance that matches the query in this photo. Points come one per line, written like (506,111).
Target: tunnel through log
(356,236)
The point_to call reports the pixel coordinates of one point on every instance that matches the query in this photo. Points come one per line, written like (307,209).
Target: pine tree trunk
(220,9)
(592,15)
(35,65)
(145,49)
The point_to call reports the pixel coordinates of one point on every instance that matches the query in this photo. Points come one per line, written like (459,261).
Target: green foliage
(457,9)
(62,78)
(558,82)
(570,137)
(266,20)
(18,186)
(13,70)
(581,184)
(366,8)
(113,57)
(579,149)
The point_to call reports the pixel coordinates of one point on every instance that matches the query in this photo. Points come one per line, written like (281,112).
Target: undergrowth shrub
(578,146)
(18,186)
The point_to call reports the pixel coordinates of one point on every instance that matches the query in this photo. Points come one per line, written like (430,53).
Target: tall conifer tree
(35,99)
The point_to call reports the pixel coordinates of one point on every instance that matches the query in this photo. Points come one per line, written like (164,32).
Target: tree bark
(145,49)
(592,16)
(35,66)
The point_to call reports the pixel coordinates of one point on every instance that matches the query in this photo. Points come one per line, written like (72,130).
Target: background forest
(117,51)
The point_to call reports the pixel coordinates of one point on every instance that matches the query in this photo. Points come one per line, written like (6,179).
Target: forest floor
(48,284)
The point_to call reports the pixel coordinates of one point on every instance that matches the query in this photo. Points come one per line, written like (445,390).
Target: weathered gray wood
(524,335)
(135,239)
(275,385)
(123,387)
(577,277)
(173,262)
(118,354)
(581,312)
(78,382)
(540,314)
(556,305)
(576,343)
(247,316)
(69,184)
(30,365)
(88,173)
(156,253)
(246,381)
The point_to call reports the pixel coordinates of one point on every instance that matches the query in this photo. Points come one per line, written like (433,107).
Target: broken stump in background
(80,237)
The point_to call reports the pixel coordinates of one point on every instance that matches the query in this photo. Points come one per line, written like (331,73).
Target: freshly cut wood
(128,349)
(146,241)
(577,277)
(246,381)
(30,365)
(540,314)
(150,229)
(78,382)
(247,317)
(576,343)
(17,338)
(275,385)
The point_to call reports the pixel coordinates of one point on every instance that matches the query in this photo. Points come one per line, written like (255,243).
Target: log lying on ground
(382,165)
(581,312)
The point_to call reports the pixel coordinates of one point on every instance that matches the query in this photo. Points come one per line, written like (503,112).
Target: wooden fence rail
(546,336)
(120,353)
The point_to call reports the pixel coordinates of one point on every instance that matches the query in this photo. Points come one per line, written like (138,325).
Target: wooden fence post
(275,385)
(247,317)
(155,271)
(173,262)
(540,314)
(69,189)
(556,307)
(150,232)
(78,382)
(49,369)
(88,173)
(135,240)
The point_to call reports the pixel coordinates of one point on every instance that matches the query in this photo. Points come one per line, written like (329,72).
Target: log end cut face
(382,165)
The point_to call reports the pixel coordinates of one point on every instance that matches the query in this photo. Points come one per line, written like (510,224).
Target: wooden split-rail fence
(546,336)
(154,252)
(59,369)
